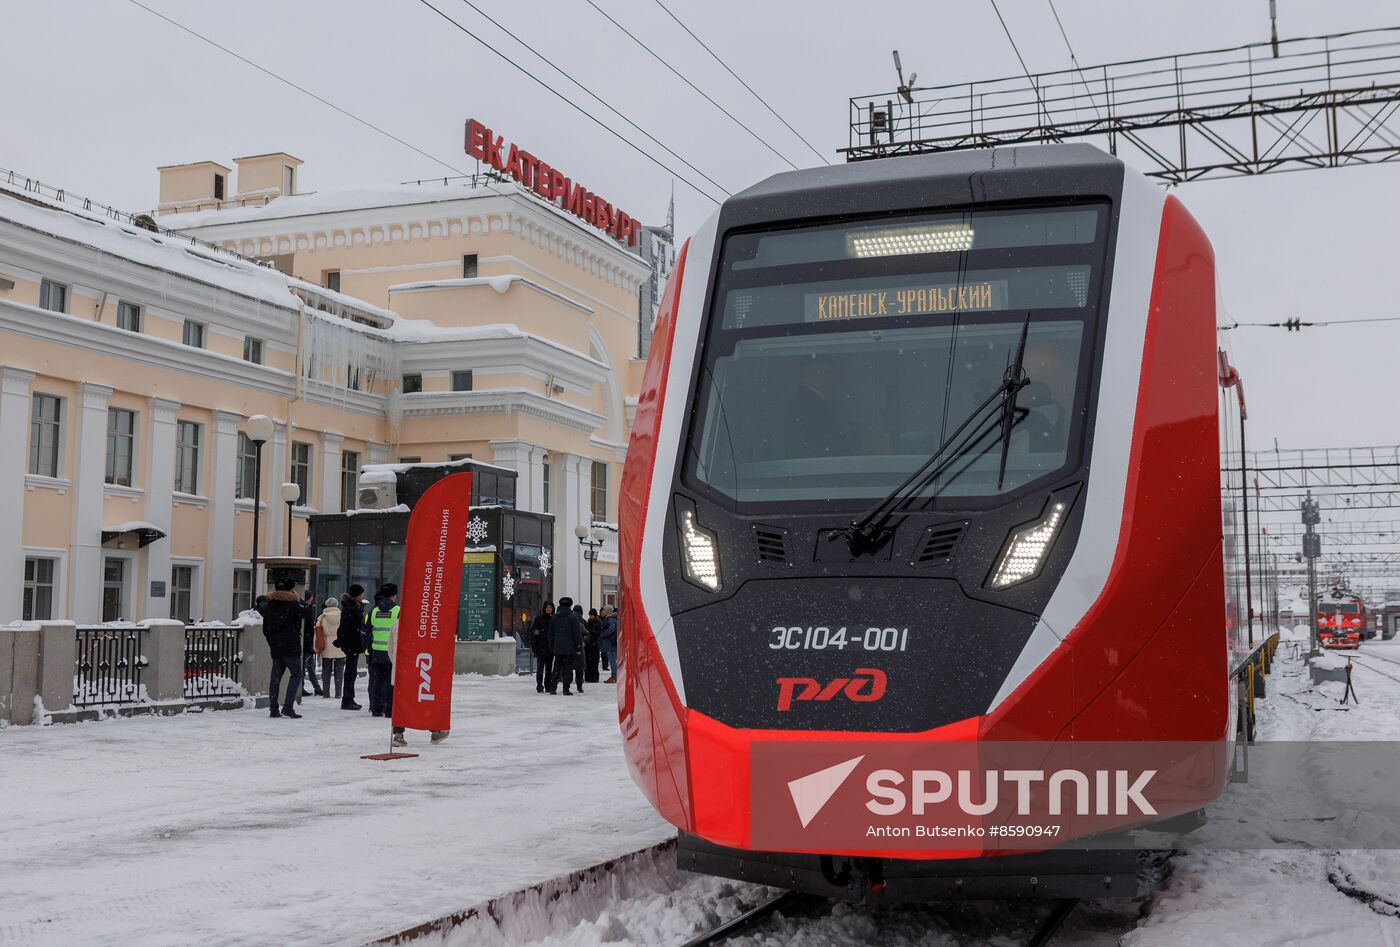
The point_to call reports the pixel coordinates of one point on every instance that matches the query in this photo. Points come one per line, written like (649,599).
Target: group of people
(567,647)
(298,638)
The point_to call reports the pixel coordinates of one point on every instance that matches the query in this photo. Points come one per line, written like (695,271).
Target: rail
(109,666)
(212,659)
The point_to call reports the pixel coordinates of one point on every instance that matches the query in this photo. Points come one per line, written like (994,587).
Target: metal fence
(109,667)
(212,659)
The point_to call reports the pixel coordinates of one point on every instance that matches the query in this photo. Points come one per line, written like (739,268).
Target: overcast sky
(98,93)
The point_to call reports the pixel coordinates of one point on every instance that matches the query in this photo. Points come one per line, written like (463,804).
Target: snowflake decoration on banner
(546,560)
(476,530)
(507,585)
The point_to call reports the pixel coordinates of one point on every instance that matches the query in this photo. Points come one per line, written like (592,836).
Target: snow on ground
(233,828)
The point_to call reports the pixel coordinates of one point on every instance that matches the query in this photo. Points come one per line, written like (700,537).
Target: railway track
(797,902)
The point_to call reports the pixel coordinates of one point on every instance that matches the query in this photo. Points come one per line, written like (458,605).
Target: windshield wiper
(870,531)
(1012,382)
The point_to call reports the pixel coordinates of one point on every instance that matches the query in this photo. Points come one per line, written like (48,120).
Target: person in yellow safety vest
(383,624)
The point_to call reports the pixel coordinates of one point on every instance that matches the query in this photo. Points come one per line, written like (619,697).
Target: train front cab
(1118,635)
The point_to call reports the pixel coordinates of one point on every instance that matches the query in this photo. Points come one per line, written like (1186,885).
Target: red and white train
(927,451)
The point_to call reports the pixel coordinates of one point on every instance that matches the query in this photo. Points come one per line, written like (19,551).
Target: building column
(277,470)
(330,473)
(526,460)
(14,430)
(160,487)
(218,559)
(88,471)
(573,511)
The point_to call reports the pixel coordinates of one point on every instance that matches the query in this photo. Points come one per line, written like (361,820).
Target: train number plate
(837,637)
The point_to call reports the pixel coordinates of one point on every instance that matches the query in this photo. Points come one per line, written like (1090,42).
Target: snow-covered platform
(233,828)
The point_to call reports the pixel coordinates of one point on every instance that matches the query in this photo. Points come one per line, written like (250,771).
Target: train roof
(951,178)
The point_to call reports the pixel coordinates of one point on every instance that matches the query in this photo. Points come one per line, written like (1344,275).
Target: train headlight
(1027,547)
(699,552)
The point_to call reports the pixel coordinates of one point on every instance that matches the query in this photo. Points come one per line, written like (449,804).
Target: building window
(349,479)
(242,591)
(246,473)
(469,266)
(182,593)
(410,460)
(218,187)
(53,296)
(129,317)
(461,381)
(113,588)
(193,335)
(544,498)
(331,280)
(456,457)
(412,384)
(252,350)
(600,491)
(301,469)
(289,179)
(45,435)
(121,445)
(38,588)
(186,457)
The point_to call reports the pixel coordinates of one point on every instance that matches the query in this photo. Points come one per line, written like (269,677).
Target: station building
(419,324)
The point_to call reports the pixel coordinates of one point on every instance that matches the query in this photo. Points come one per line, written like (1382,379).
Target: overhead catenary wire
(1015,49)
(542,58)
(302,89)
(1073,59)
(715,56)
(575,106)
(672,69)
(1295,324)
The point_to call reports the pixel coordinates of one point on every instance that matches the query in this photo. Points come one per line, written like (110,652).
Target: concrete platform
(234,828)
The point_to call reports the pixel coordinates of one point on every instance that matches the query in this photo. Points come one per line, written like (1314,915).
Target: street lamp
(590,540)
(259,431)
(291,493)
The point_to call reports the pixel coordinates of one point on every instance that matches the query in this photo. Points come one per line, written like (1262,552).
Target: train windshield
(840,357)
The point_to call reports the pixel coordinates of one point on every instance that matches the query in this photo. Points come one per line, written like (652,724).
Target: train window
(856,350)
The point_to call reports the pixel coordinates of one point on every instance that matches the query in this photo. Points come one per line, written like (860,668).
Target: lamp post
(590,540)
(259,431)
(291,493)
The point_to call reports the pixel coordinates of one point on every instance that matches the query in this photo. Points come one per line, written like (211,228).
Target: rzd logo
(425,686)
(867,685)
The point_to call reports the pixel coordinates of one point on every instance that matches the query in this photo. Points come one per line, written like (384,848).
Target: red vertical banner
(428,602)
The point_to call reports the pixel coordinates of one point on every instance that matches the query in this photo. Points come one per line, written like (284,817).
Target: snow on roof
(377,470)
(499,283)
(329,202)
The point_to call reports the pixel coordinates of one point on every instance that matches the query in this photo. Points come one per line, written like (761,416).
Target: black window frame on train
(1098,253)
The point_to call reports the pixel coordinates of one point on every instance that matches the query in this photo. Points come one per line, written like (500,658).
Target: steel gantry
(1324,101)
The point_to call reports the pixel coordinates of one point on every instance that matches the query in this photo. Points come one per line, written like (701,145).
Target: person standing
(383,622)
(607,642)
(308,646)
(283,619)
(593,628)
(578,664)
(350,640)
(332,658)
(566,644)
(539,644)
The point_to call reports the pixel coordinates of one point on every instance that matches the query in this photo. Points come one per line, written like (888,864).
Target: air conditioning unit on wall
(378,495)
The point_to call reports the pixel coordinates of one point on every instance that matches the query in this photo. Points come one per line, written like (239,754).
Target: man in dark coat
(308,645)
(350,639)
(539,644)
(607,642)
(283,616)
(594,628)
(566,644)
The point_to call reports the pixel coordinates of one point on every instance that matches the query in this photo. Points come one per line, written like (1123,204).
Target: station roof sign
(549,182)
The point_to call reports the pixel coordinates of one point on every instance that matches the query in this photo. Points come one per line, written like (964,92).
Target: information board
(476,620)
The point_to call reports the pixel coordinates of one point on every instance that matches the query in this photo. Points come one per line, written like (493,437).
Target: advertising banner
(432,583)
